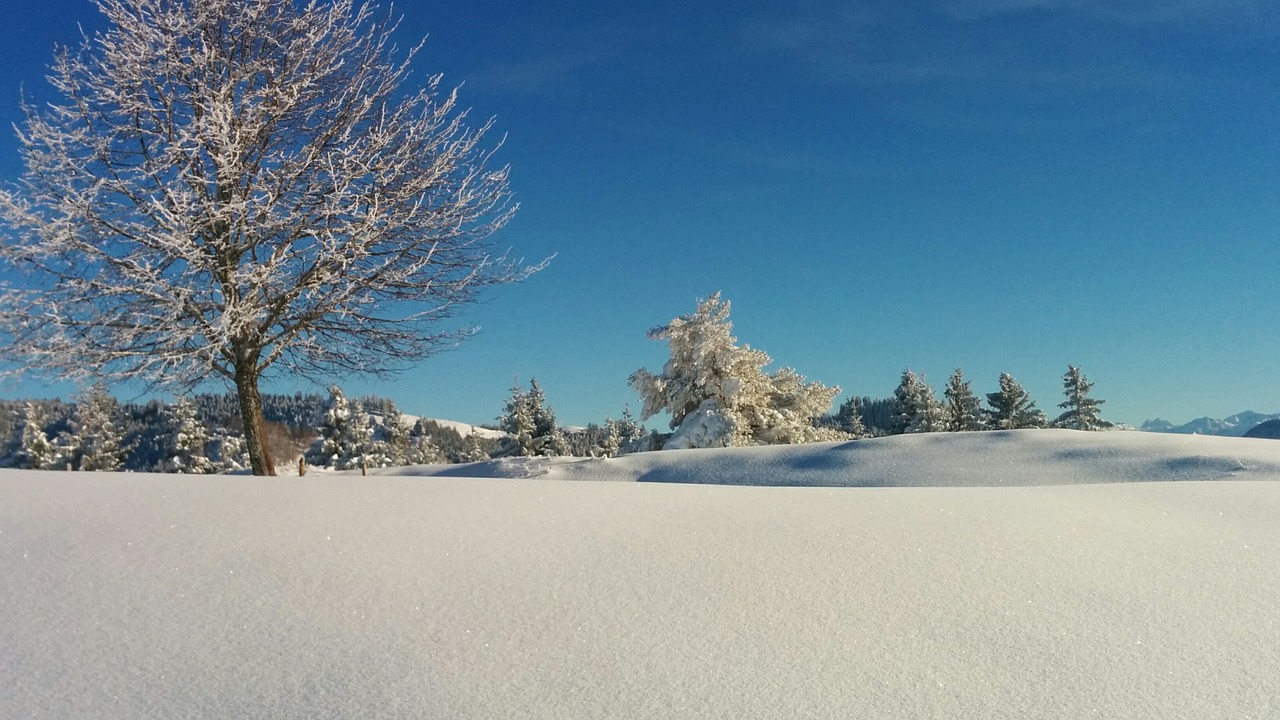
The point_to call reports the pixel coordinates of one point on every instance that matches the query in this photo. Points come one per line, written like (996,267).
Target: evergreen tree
(610,440)
(1012,408)
(917,410)
(849,418)
(530,422)
(1081,410)
(398,435)
(95,426)
(517,421)
(557,445)
(547,438)
(184,440)
(37,452)
(963,409)
(474,452)
(346,436)
(231,453)
(718,393)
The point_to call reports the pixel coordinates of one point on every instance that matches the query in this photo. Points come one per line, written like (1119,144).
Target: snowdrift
(989,459)
(1031,574)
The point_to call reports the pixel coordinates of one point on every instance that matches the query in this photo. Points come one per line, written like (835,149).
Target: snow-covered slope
(996,459)
(336,596)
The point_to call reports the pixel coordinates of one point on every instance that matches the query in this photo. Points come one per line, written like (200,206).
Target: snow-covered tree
(473,452)
(1082,412)
(409,444)
(1012,408)
(718,393)
(398,436)
(545,427)
(230,454)
(346,436)
(96,428)
(185,440)
(962,408)
(530,421)
(231,188)
(37,452)
(517,421)
(916,408)
(849,418)
(557,444)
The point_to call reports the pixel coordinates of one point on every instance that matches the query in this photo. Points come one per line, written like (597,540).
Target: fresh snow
(1046,574)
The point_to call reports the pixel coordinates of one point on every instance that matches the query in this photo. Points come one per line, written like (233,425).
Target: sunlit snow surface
(1035,574)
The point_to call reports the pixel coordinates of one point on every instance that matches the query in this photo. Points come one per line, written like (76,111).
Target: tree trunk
(255,439)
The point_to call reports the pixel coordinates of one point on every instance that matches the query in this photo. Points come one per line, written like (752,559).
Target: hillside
(1046,574)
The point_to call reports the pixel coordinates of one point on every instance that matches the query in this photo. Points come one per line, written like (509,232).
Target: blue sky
(999,185)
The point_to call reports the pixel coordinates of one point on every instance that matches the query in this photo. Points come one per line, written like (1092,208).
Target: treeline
(203,433)
(915,407)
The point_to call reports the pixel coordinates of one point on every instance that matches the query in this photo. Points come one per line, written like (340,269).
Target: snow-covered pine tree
(231,454)
(630,431)
(917,409)
(334,430)
(545,427)
(530,421)
(1012,408)
(610,440)
(346,436)
(1082,412)
(37,452)
(717,392)
(849,417)
(963,409)
(473,452)
(185,440)
(517,421)
(96,428)
(557,444)
(398,436)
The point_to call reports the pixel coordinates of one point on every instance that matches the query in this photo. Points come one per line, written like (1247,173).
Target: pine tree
(917,410)
(37,452)
(398,433)
(1081,410)
(232,454)
(517,421)
(1012,408)
(96,428)
(545,428)
(963,409)
(531,422)
(473,451)
(184,440)
(717,392)
(557,445)
(849,418)
(610,440)
(346,436)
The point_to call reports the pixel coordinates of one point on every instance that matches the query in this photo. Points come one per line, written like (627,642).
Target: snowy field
(1031,574)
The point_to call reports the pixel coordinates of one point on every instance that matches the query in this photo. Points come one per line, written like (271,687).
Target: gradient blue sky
(1000,185)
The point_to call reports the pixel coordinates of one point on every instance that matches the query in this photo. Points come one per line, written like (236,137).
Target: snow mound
(981,459)
(338,596)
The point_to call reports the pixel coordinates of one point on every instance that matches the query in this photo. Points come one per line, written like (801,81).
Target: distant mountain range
(1235,426)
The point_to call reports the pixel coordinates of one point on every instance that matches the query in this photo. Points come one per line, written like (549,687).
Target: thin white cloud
(1133,12)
